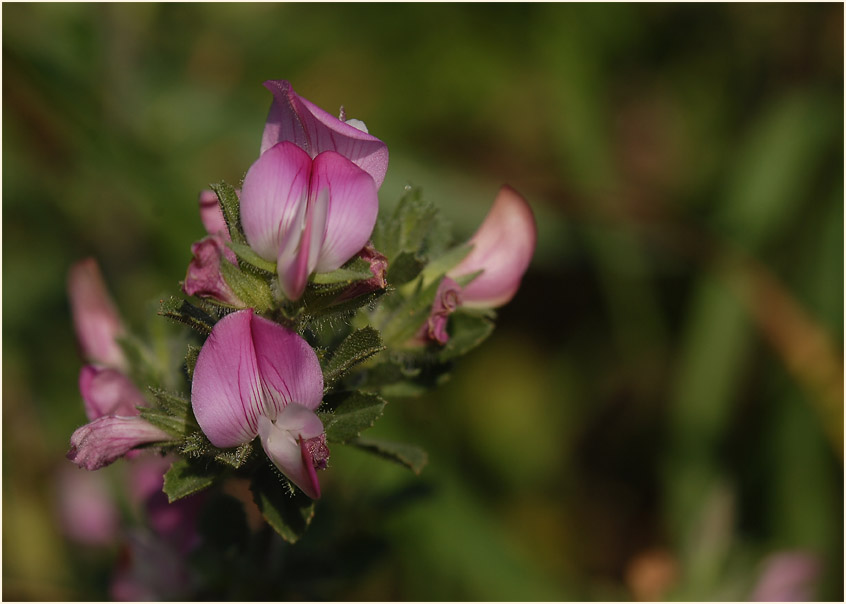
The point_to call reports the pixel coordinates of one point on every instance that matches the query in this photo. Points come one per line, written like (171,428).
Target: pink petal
(289,369)
(293,118)
(283,443)
(95,317)
(447,299)
(379,270)
(108,392)
(353,206)
(503,248)
(104,440)
(297,260)
(204,278)
(226,392)
(788,576)
(273,200)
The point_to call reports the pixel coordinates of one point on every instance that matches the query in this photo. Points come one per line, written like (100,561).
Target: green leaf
(184,312)
(356,348)
(177,427)
(172,403)
(466,332)
(407,227)
(357,269)
(289,511)
(406,321)
(191,360)
(236,457)
(186,477)
(249,287)
(246,254)
(231,206)
(350,414)
(410,456)
(446,262)
(404,268)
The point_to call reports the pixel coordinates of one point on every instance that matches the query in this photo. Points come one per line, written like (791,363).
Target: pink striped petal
(289,369)
(108,392)
(298,259)
(353,206)
(226,391)
(293,118)
(273,200)
(104,440)
(503,248)
(284,442)
(95,317)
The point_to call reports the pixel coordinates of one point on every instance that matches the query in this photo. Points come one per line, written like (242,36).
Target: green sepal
(411,456)
(357,269)
(196,445)
(172,414)
(404,268)
(406,320)
(251,289)
(356,348)
(191,356)
(248,255)
(231,206)
(287,509)
(182,311)
(349,414)
(186,477)
(236,457)
(446,262)
(466,331)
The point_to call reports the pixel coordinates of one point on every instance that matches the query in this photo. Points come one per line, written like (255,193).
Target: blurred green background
(661,406)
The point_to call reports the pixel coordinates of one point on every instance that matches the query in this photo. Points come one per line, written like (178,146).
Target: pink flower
(306,215)
(203,277)
(292,118)
(95,318)
(108,392)
(99,443)
(255,378)
(379,270)
(502,249)
(788,576)
(87,511)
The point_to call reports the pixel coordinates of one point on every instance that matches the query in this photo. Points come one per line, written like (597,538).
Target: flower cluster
(309,306)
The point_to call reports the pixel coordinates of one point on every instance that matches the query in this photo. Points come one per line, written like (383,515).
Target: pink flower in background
(306,215)
(203,277)
(86,509)
(95,318)
(108,392)
(255,378)
(788,576)
(502,249)
(292,118)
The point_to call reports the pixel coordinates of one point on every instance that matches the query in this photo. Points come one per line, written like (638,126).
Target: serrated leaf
(246,254)
(411,456)
(356,348)
(184,312)
(231,206)
(404,268)
(248,287)
(236,457)
(466,332)
(289,513)
(186,477)
(351,414)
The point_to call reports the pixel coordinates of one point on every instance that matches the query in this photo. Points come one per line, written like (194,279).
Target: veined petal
(283,442)
(502,248)
(226,391)
(289,369)
(95,317)
(353,206)
(297,260)
(102,441)
(108,392)
(272,199)
(293,118)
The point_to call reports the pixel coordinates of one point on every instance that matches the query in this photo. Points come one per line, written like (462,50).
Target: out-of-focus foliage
(661,406)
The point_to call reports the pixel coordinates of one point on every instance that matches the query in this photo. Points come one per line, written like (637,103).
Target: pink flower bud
(203,277)
(502,249)
(99,443)
(95,318)
(379,270)
(87,511)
